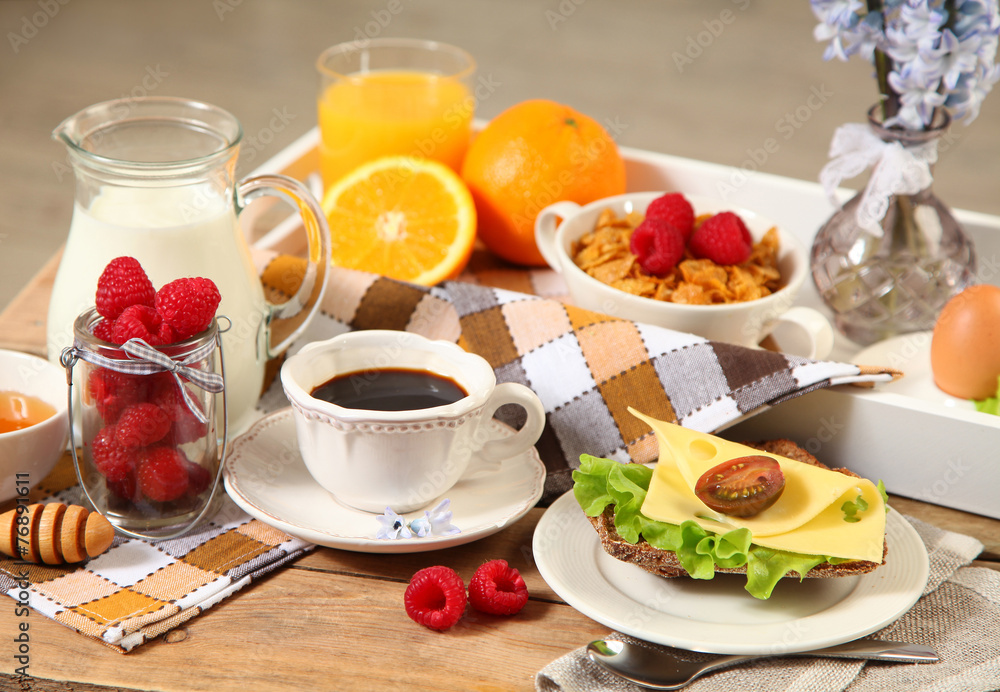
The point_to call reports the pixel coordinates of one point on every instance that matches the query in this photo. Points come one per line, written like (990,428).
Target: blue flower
(436,522)
(935,60)
(392,526)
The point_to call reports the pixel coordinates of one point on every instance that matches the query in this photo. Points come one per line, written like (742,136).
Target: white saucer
(265,475)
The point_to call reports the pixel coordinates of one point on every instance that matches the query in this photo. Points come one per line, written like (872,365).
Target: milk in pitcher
(173,233)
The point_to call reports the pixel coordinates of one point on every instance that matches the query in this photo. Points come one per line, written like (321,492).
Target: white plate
(265,475)
(719,616)
(910,353)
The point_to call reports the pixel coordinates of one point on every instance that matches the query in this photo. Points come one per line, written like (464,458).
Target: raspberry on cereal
(122,284)
(675,209)
(658,245)
(498,589)
(188,305)
(435,597)
(163,473)
(723,238)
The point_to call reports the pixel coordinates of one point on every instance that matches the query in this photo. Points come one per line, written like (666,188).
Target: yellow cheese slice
(807,518)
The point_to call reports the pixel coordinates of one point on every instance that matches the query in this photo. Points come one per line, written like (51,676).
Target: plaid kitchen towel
(138,590)
(587,368)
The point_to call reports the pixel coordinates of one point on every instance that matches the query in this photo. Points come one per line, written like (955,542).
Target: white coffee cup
(374,459)
(746,323)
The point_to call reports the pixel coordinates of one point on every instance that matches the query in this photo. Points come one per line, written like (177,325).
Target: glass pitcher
(155,179)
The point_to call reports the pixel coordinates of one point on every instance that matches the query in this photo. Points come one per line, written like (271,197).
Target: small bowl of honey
(34,427)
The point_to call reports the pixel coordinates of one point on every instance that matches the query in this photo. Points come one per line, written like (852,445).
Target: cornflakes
(605,255)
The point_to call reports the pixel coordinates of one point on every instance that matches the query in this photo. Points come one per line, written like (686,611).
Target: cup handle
(805,332)
(307,299)
(545,229)
(488,458)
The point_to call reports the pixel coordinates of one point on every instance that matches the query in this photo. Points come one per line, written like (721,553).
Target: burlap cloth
(958,616)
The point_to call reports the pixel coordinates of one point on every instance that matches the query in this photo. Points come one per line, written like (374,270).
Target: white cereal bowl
(28,455)
(743,323)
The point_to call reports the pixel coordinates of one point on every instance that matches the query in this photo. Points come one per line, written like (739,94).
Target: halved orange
(403,217)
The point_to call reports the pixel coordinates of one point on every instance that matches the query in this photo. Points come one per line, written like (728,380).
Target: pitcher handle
(313,286)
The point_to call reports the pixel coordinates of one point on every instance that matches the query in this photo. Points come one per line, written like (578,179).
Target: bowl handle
(545,230)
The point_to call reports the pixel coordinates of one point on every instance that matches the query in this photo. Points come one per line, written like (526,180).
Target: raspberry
(163,474)
(104,329)
(138,322)
(198,478)
(188,305)
(658,245)
(498,589)
(124,488)
(675,210)
(140,425)
(186,426)
(167,334)
(723,238)
(435,597)
(114,461)
(111,392)
(123,283)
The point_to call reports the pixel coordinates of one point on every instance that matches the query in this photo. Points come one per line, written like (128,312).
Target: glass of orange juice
(392,96)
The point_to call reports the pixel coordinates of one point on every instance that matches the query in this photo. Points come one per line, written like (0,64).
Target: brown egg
(965,348)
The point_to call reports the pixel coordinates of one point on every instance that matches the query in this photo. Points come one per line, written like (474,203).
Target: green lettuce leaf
(880,486)
(851,509)
(602,482)
(990,405)
(766,566)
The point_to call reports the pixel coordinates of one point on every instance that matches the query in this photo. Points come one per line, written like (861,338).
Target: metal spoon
(659,669)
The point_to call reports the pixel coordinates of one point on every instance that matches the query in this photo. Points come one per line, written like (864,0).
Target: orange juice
(368,115)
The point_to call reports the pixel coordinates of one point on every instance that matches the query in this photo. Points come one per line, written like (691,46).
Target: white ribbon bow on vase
(896,170)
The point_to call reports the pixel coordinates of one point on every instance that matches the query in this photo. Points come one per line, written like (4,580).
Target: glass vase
(878,287)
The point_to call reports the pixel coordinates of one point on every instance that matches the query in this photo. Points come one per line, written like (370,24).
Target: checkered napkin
(956,616)
(138,590)
(587,368)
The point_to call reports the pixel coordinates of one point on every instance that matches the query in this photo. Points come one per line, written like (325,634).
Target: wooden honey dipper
(56,533)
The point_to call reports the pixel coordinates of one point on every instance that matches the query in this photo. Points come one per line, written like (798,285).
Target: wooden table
(335,619)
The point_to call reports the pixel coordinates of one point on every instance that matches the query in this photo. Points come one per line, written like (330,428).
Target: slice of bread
(665,563)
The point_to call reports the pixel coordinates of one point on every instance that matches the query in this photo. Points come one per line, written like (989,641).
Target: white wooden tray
(921,449)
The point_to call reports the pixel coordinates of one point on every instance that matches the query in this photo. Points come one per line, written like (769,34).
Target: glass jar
(151,449)
(878,287)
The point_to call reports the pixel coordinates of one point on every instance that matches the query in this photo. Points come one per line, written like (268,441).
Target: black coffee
(390,389)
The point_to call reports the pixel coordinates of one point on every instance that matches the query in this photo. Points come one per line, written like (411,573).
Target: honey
(19,411)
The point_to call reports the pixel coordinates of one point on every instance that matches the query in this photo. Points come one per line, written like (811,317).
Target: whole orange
(531,155)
